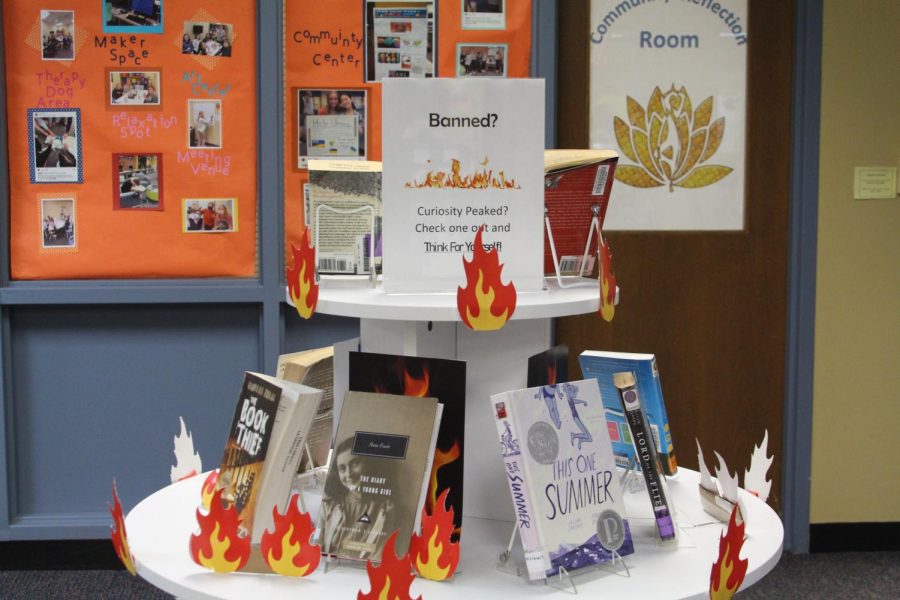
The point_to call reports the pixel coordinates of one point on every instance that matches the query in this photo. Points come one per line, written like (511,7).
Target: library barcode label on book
(334,265)
(600,180)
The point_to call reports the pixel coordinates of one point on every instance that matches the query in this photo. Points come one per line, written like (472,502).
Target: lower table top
(159,529)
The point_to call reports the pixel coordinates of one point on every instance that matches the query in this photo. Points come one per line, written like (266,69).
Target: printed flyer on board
(459,154)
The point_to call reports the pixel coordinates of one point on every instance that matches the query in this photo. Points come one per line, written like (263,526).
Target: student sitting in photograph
(209,217)
(223,219)
(226,49)
(187,45)
(117,92)
(194,218)
(152,97)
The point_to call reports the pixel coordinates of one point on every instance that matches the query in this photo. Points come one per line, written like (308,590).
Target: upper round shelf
(357,297)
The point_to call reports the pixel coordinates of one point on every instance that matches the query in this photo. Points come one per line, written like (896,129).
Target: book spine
(536,560)
(646,452)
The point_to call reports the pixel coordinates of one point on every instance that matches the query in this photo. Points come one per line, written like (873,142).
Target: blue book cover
(601,366)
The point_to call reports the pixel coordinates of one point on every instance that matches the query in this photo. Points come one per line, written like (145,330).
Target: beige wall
(856,403)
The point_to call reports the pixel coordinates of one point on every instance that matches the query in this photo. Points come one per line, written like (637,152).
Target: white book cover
(459,154)
(570,472)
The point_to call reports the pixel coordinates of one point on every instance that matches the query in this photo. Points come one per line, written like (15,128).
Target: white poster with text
(459,154)
(668,92)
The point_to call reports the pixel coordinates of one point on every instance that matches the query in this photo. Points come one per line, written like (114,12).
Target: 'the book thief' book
(602,366)
(562,476)
(378,473)
(268,431)
(577,187)
(443,379)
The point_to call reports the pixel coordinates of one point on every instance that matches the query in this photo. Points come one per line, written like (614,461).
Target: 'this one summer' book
(602,366)
(268,431)
(562,476)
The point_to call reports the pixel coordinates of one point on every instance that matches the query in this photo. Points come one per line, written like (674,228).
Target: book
(577,187)
(443,379)
(562,476)
(602,366)
(378,473)
(548,367)
(345,214)
(313,368)
(264,446)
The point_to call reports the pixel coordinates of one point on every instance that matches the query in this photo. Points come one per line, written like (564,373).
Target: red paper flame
(391,579)
(433,554)
(287,550)
(208,488)
(479,180)
(301,279)
(729,569)
(607,283)
(485,304)
(118,534)
(218,545)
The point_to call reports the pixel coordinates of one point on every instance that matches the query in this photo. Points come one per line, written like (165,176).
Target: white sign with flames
(668,92)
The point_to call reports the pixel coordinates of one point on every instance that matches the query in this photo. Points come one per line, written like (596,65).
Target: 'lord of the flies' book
(562,476)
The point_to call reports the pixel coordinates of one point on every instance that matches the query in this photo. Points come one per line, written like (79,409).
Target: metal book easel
(593,226)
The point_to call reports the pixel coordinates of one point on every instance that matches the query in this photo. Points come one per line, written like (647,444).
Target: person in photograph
(346,107)
(224,221)
(208,215)
(187,45)
(344,505)
(194,217)
(226,48)
(152,97)
(196,44)
(332,107)
(201,127)
(117,92)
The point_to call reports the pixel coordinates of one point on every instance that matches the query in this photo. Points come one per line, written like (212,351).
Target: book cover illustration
(376,474)
(570,474)
(443,379)
(602,366)
(247,446)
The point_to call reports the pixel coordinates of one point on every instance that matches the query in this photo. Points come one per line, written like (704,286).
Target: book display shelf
(427,325)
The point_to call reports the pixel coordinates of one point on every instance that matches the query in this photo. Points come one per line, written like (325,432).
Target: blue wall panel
(319,331)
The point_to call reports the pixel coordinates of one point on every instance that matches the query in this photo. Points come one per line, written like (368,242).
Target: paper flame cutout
(417,387)
(287,550)
(728,484)
(391,579)
(208,489)
(477,181)
(118,535)
(485,304)
(729,569)
(433,554)
(607,283)
(301,279)
(706,480)
(187,461)
(218,546)
(755,480)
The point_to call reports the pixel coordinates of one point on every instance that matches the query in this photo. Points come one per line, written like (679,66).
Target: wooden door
(711,306)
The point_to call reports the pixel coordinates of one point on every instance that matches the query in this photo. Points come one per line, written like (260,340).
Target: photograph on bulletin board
(133,108)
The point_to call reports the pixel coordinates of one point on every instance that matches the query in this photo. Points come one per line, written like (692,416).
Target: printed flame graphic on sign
(441,458)
(416,386)
(729,569)
(607,283)
(479,180)
(301,279)
(118,535)
(287,550)
(208,489)
(218,545)
(391,579)
(433,554)
(485,304)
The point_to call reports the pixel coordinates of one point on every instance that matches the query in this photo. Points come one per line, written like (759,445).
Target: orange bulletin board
(108,151)
(325,48)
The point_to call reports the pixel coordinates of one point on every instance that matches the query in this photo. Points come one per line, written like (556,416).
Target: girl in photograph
(201,125)
(224,221)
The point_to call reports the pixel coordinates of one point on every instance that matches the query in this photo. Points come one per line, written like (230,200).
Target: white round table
(159,529)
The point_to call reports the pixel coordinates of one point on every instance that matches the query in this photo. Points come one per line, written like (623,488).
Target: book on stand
(602,366)
(562,476)
(443,379)
(577,187)
(345,215)
(265,443)
(313,368)
(378,474)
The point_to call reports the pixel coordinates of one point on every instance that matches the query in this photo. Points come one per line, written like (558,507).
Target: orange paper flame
(118,534)
(607,283)
(392,578)
(729,569)
(479,180)
(301,279)
(485,304)
(287,550)
(432,554)
(208,488)
(218,545)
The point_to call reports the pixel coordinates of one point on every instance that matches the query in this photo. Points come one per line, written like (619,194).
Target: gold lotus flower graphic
(670,141)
